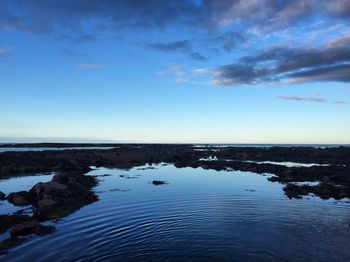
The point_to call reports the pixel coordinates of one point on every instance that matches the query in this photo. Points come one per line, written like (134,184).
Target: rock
(59,178)
(55,186)
(2,196)
(46,202)
(103,175)
(54,200)
(25,228)
(30,227)
(22,198)
(48,186)
(158,182)
(76,186)
(50,200)
(7,221)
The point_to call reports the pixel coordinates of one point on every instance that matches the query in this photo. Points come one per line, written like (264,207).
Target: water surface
(199,215)
(24,149)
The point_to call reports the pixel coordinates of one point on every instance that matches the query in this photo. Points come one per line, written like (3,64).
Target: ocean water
(197,147)
(23,149)
(198,215)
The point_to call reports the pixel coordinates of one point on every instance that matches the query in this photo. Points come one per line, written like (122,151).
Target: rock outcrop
(60,197)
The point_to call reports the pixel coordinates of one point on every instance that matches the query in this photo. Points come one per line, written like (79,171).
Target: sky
(228,71)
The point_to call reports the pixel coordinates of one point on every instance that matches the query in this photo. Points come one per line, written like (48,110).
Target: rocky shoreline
(62,196)
(328,166)
(70,189)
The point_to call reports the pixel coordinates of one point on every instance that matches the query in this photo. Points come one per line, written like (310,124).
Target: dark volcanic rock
(53,200)
(158,182)
(2,196)
(7,221)
(22,198)
(63,195)
(324,191)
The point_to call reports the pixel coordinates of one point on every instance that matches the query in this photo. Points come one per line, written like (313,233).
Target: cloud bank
(42,16)
(290,65)
(227,24)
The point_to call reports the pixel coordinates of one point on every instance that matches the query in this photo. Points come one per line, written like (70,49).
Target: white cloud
(180,73)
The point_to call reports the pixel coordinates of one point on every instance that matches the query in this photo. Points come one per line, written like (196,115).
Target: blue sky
(175,71)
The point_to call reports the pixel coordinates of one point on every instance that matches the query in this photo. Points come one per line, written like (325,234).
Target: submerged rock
(30,227)
(103,175)
(8,221)
(120,190)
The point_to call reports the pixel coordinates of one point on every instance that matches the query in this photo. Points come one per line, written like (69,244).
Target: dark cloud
(81,21)
(42,16)
(330,63)
(311,99)
(183,46)
(339,8)
(230,40)
(287,59)
(342,40)
(337,73)
(198,56)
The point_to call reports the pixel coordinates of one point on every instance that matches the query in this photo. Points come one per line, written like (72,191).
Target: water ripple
(195,218)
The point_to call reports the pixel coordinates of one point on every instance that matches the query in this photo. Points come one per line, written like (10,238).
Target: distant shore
(64,145)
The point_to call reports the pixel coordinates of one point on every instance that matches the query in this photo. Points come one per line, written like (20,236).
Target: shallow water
(286,164)
(269,145)
(23,149)
(200,215)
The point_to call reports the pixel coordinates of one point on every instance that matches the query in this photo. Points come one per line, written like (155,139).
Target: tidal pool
(198,215)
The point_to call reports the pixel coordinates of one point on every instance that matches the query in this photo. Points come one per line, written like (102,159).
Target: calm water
(197,147)
(22,149)
(200,215)
(287,164)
